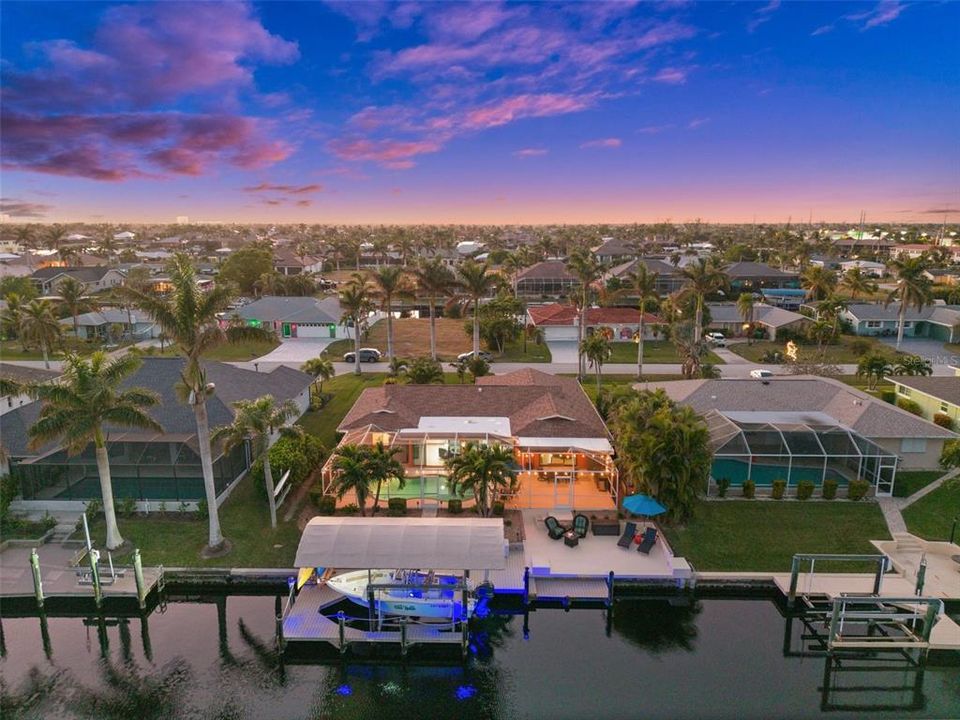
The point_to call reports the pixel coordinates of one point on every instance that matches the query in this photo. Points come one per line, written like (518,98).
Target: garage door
(560,332)
(938,332)
(315,331)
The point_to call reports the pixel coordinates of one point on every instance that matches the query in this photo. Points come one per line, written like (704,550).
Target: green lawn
(245,520)
(238,352)
(654,351)
(345,390)
(763,535)
(513,352)
(931,516)
(839,353)
(13,350)
(909,481)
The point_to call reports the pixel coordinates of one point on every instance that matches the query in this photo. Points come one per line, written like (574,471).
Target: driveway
(295,351)
(563,351)
(932,350)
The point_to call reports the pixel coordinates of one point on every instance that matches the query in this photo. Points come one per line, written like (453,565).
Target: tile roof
(161,375)
(850,407)
(942,388)
(537,404)
(560,314)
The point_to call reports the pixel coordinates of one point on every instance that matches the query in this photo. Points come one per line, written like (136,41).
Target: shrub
(778,489)
(888,396)
(126,507)
(749,489)
(351,509)
(8,491)
(497,508)
(397,507)
(203,509)
(92,509)
(860,346)
(858,489)
(910,406)
(455,505)
(300,455)
(804,490)
(943,420)
(723,485)
(829,489)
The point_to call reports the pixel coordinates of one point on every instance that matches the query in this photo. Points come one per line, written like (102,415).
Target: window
(913,445)
(944,407)
(874,323)
(908,323)
(901,390)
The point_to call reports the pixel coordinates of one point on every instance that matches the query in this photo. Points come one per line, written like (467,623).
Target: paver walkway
(892,516)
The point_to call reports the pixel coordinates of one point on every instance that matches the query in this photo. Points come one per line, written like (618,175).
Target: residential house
(808,428)
(148,466)
(561,322)
(943,276)
(936,396)
(613,250)
(910,250)
(94,279)
(558,440)
(745,276)
(546,278)
(293,317)
(97,325)
(669,278)
(287,262)
(20,374)
(727,317)
(867,267)
(936,321)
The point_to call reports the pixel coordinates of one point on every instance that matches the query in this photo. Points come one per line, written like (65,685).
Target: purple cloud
(23,209)
(883,12)
(762,15)
(529,152)
(103,111)
(604,143)
(291,189)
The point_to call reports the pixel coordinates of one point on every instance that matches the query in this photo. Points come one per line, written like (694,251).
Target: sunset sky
(486,112)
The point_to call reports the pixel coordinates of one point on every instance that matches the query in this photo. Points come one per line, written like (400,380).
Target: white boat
(425,595)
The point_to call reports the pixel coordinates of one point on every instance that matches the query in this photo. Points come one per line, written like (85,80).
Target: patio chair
(581,523)
(628,532)
(554,529)
(648,541)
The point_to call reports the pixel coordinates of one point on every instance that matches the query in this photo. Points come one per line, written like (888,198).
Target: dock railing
(880,561)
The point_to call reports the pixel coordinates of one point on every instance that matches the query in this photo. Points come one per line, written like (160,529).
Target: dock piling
(341,622)
(610,590)
(138,576)
(921,576)
(526,586)
(94,556)
(37,580)
(403,636)
(794,577)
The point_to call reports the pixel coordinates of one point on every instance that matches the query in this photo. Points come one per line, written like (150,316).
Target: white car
(761,374)
(715,337)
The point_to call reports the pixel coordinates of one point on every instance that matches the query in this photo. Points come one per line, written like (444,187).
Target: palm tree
(382,465)
(642,284)
(703,277)
(40,326)
(913,365)
(351,474)
(476,280)
(72,296)
(424,371)
(435,280)
(831,308)
(389,282)
(596,349)
(188,315)
(10,317)
(913,288)
(855,281)
(483,469)
(320,368)
(874,368)
(355,305)
(259,421)
(75,410)
(584,265)
(745,305)
(818,281)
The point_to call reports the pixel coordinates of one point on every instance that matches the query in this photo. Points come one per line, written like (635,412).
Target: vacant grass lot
(411,338)
(931,516)
(840,353)
(654,351)
(763,535)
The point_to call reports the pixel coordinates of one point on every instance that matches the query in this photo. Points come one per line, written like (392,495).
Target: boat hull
(429,601)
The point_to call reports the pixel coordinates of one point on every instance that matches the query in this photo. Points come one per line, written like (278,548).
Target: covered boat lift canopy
(385,542)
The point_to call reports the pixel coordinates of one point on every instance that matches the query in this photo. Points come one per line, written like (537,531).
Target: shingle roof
(943,314)
(161,375)
(746,269)
(23,373)
(546,270)
(762,313)
(850,407)
(84,274)
(293,309)
(614,246)
(653,265)
(537,404)
(942,388)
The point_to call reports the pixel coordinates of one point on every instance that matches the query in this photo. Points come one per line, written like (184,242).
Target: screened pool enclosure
(767,446)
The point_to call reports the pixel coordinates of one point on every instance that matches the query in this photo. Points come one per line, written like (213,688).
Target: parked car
(715,337)
(761,374)
(482,354)
(366,355)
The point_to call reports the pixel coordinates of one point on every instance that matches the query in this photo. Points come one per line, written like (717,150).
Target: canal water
(723,658)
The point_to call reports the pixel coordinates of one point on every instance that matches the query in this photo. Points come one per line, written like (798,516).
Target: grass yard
(411,338)
(931,516)
(654,351)
(909,481)
(238,352)
(245,521)
(13,350)
(838,354)
(763,535)
(345,390)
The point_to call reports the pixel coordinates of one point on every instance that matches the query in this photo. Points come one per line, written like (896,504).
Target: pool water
(213,657)
(764,475)
(429,486)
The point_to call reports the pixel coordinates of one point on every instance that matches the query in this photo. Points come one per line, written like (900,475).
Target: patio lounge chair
(628,532)
(554,529)
(581,523)
(649,540)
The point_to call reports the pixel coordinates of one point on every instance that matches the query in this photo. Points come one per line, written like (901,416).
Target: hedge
(300,455)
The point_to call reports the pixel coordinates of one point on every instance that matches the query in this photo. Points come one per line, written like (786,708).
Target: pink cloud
(762,15)
(530,152)
(291,189)
(521,106)
(653,129)
(884,12)
(395,154)
(697,122)
(671,76)
(607,143)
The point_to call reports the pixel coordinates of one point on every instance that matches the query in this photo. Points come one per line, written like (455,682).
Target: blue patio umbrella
(643,505)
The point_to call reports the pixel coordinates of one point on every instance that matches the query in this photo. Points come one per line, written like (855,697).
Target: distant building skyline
(380,112)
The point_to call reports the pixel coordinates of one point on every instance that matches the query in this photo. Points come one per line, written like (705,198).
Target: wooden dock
(547,588)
